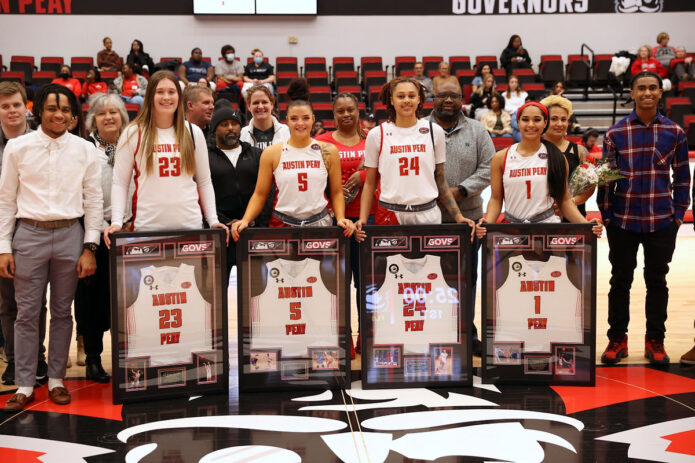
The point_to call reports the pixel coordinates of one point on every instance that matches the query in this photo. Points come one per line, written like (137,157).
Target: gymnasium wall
(388,36)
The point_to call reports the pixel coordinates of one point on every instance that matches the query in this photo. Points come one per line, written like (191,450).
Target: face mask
(229,56)
(257,60)
(64,75)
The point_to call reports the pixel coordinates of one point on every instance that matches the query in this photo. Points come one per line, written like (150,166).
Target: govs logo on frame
(639,6)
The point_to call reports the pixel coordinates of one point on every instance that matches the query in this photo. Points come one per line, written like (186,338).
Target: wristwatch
(91,247)
(463,191)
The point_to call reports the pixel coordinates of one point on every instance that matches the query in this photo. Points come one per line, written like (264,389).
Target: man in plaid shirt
(646,207)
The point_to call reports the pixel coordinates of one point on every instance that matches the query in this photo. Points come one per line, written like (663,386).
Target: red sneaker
(358,347)
(655,352)
(352,349)
(616,350)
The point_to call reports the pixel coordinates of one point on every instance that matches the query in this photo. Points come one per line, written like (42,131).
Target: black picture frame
(162,359)
(423,361)
(558,346)
(271,358)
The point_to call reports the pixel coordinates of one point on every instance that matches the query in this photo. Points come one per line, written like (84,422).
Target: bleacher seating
(108,76)
(317,78)
(601,67)
(23,64)
(320,94)
(404,63)
(689,126)
(465,77)
(551,69)
(164,59)
(373,94)
(12,76)
(677,108)
(39,78)
(323,111)
(284,78)
(687,89)
(372,78)
(525,76)
(578,73)
(354,89)
(51,64)
(380,113)
(535,91)
(502,142)
(370,63)
(343,78)
(431,63)
(459,63)
(286,64)
(342,64)
(132,109)
(486,59)
(314,64)
(81,63)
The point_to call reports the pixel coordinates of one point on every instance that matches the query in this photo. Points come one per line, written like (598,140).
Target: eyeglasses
(444,96)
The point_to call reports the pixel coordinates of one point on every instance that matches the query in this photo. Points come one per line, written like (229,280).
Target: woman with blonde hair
(559,113)
(169,160)
(515,96)
(479,97)
(263,129)
(258,72)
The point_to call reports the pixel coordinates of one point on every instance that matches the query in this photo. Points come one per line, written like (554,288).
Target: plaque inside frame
(539,304)
(293,309)
(415,322)
(168,314)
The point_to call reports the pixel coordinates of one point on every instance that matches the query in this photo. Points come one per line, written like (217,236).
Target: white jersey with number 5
(525,182)
(406,158)
(538,305)
(169,319)
(295,311)
(301,179)
(414,306)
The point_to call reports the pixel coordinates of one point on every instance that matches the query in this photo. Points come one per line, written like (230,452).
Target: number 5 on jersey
(301,179)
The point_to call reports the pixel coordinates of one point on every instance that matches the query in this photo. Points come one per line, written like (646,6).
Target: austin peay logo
(320,245)
(511,241)
(136,249)
(574,240)
(266,245)
(639,6)
(442,241)
(204,247)
(394,242)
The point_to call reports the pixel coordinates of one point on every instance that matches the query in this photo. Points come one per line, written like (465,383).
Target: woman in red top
(93,84)
(349,138)
(645,62)
(66,79)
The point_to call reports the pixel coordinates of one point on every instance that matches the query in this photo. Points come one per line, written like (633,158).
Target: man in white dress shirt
(60,182)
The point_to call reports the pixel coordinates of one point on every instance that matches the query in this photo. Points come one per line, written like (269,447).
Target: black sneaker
(41,372)
(8,375)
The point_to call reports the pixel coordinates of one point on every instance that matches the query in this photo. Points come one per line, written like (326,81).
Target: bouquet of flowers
(590,174)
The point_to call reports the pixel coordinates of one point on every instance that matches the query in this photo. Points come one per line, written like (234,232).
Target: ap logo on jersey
(641,6)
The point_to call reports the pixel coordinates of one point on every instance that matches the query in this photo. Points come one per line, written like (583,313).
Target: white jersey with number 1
(525,182)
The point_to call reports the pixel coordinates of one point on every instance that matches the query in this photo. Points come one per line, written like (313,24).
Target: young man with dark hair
(13,124)
(61,182)
(107,59)
(196,68)
(230,74)
(644,208)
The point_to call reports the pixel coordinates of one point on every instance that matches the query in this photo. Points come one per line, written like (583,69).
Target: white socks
(27,391)
(54,382)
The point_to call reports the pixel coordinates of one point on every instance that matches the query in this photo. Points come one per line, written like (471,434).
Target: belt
(535,219)
(408,207)
(50,224)
(289,220)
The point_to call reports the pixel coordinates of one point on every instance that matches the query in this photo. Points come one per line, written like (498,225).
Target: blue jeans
(136,99)
(516,133)
(506,135)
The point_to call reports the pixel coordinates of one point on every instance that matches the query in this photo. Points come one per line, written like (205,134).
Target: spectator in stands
(682,67)
(106,119)
(559,88)
(646,62)
(483,71)
(496,120)
(663,52)
(420,76)
(66,79)
(589,141)
(646,207)
(317,128)
(258,72)
(349,138)
(369,123)
(479,97)
(234,170)
(263,129)
(515,56)
(49,245)
(206,83)
(444,76)
(13,123)
(559,112)
(138,56)
(469,150)
(230,74)
(199,104)
(195,68)
(131,85)
(515,96)
(107,59)
(93,84)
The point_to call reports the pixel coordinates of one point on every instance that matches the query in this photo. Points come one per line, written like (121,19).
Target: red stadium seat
(42,77)
(465,77)
(12,76)
(403,63)
(433,73)
(323,111)
(372,78)
(431,62)
(535,91)
(427,108)
(51,64)
(286,64)
(320,94)
(354,89)
(343,78)
(370,63)
(551,69)
(380,112)
(317,78)
(81,63)
(578,73)
(486,59)
(502,142)
(459,63)
(314,64)
(23,64)
(677,108)
(284,78)
(601,67)
(342,64)
(373,94)
(689,126)
(170,58)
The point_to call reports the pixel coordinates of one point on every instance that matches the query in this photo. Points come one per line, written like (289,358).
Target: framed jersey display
(293,302)
(169,314)
(539,304)
(415,326)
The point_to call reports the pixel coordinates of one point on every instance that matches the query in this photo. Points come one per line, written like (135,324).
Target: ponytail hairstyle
(388,89)
(145,122)
(351,96)
(298,89)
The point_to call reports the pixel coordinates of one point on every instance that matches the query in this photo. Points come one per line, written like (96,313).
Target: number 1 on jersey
(528,189)
(537,299)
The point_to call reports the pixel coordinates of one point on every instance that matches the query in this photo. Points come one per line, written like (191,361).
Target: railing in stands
(589,67)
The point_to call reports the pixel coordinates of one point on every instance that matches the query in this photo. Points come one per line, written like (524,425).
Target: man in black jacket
(234,169)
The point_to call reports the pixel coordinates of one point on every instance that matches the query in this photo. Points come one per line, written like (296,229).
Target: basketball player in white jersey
(301,168)
(408,153)
(531,176)
(169,161)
